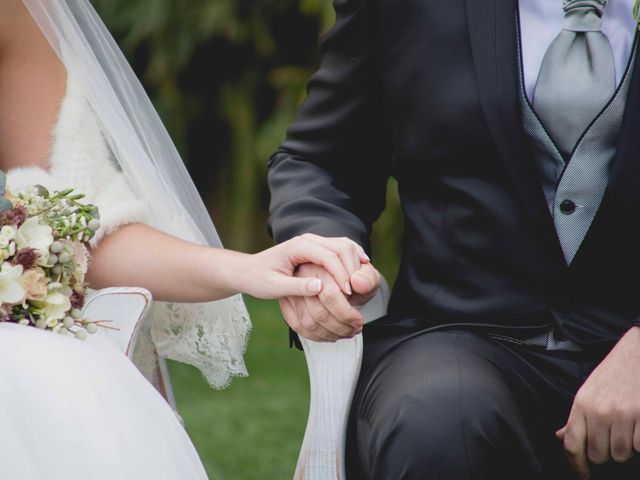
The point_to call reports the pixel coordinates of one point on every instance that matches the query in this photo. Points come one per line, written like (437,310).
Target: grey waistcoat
(574,189)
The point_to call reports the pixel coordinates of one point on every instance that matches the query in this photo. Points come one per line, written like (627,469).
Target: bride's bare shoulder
(14,17)
(32,85)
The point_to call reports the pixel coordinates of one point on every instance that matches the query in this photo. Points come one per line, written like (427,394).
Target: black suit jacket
(427,91)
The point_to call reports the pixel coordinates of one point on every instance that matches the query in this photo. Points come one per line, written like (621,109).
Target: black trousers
(456,404)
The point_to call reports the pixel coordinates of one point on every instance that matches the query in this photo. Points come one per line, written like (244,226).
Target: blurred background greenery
(227,77)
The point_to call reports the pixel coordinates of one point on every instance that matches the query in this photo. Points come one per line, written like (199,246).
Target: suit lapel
(625,175)
(495,55)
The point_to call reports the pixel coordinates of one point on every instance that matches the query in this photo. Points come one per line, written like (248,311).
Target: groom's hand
(331,315)
(604,423)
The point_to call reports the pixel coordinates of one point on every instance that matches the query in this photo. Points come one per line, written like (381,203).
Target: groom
(510,349)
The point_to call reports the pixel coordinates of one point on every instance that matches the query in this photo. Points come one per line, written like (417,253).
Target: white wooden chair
(126,308)
(333,374)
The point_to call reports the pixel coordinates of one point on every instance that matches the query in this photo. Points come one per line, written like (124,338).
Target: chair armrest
(125,308)
(333,375)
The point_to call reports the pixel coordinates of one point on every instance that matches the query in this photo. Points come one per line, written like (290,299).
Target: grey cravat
(577,76)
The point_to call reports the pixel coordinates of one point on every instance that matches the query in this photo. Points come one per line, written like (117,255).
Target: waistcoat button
(567,207)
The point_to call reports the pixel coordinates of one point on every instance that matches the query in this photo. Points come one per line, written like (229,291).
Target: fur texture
(81,159)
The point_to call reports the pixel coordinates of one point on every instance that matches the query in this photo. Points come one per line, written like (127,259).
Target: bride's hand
(269,274)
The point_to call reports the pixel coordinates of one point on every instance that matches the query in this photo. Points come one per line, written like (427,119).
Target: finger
(290,315)
(304,251)
(321,315)
(339,307)
(346,250)
(312,328)
(366,280)
(575,445)
(286,286)
(636,437)
(598,435)
(360,254)
(621,439)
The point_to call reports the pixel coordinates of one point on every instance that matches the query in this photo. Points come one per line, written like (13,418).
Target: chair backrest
(124,308)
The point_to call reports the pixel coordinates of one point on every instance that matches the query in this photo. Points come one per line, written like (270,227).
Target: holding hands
(277,271)
(318,281)
(331,315)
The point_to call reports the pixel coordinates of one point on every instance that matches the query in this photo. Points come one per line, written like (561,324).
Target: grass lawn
(252,430)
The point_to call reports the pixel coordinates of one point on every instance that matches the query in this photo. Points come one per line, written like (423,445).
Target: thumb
(366,280)
(298,287)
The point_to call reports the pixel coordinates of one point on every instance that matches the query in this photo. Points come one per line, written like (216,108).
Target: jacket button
(567,207)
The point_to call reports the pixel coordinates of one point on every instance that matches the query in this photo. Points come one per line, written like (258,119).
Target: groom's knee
(437,419)
(436,433)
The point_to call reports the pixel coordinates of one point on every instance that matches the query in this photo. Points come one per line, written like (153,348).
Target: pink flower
(34,282)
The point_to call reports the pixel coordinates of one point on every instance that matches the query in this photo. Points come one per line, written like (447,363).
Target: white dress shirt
(542,20)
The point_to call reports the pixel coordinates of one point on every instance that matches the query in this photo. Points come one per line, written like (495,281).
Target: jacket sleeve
(329,176)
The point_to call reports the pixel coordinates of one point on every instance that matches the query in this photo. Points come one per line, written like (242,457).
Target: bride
(72,114)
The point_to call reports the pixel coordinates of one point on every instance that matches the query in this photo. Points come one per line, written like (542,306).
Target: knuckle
(295,326)
(331,296)
(620,411)
(571,446)
(311,327)
(322,316)
(296,241)
(307,322)
(605,412)
(342,252)
(580,402)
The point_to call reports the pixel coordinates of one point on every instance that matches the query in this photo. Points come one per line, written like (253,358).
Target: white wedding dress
(81,410)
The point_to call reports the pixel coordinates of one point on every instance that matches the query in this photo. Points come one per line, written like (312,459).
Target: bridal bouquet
(44,258)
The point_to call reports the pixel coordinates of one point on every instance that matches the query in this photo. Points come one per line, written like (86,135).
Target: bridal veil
(211,336)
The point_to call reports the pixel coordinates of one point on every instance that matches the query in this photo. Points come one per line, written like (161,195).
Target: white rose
(54,307)
(11,290)
(33,235)
(8,232)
